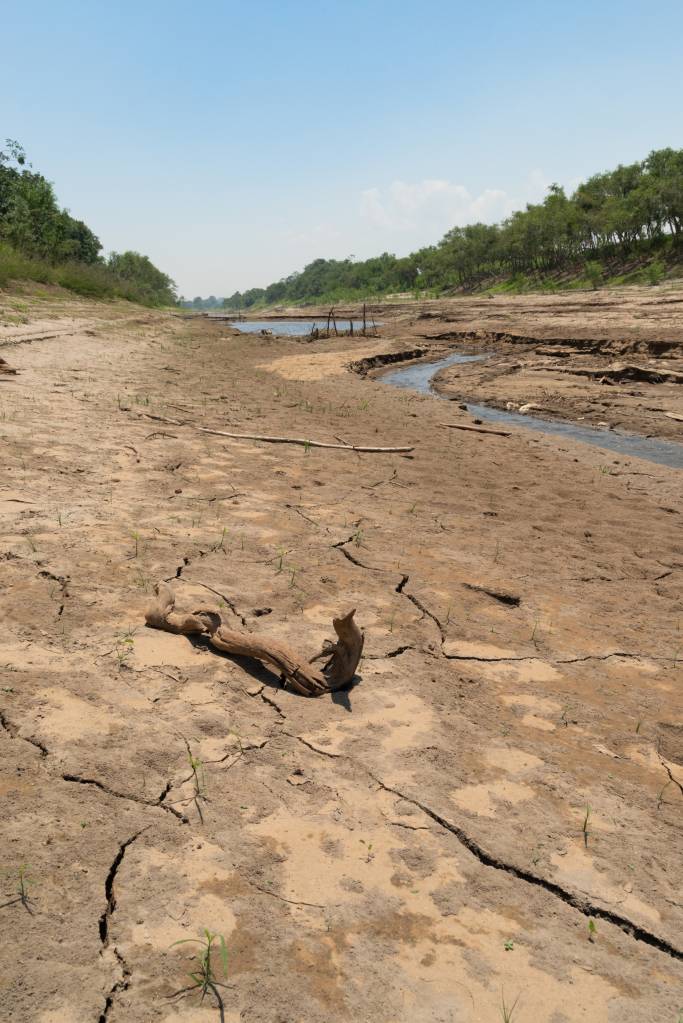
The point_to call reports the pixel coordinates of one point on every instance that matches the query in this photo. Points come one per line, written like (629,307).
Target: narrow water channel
(292,328)
(419,376)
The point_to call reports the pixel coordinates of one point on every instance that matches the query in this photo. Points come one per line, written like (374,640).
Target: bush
(93,280)
(593,273)
(655,272)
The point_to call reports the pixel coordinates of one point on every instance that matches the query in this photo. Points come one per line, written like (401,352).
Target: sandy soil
(415,849)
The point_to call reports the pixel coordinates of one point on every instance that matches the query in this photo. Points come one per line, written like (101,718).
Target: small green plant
(123,648)
(370,854)
(203,976)
(135,536)
(660,797)
(281,554)
(506,1011)
(21,892)
(592,930)
(509,945)
(198,777)
(584,828)
(220,545)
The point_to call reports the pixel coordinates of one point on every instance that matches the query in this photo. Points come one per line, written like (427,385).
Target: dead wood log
(476,429)
(295,670)
(302,441)
(162,615)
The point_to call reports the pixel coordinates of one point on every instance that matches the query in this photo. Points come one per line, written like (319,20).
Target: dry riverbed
(490,815)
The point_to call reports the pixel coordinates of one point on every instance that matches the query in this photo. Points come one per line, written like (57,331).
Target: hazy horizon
(234,146)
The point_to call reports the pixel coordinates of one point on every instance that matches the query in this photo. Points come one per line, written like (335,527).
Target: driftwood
(476,429)
(302,441)
(295,670)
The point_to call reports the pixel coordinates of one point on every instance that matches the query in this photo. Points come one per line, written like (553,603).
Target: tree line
(636,209)
(41,241)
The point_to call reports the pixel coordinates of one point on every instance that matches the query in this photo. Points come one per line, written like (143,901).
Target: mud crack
(584,906)
(390,653)
(341,546)
(63,581)
(510,599)
(129,796)
(124,980)
(426,613)
(13,733)
(120,985)
(227,600)
(271,703)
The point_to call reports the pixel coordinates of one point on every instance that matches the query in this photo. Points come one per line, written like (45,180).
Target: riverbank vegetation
(620,226)
(41,242)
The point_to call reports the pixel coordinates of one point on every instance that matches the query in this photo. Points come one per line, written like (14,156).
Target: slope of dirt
(491,813)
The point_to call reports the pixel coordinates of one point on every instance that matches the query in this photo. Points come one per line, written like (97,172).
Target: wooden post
(364,320)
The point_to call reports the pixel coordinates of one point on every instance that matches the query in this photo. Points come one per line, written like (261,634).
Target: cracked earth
(492,811)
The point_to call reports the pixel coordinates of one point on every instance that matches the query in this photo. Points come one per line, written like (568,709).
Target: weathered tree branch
(302,441)
(295,670)
(476,429)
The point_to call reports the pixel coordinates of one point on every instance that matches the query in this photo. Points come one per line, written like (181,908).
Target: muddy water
(291,328)
(418,377)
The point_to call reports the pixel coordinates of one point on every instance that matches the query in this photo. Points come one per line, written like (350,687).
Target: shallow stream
(292,328)
(419,376)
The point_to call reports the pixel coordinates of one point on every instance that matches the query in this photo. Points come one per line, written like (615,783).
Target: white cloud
(431,206)
(421,212)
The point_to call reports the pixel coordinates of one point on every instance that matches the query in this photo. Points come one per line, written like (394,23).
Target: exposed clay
(418,847)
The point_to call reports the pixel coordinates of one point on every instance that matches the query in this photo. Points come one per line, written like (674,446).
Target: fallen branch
(302,441)
(295,670)
(476,429)
(276,440)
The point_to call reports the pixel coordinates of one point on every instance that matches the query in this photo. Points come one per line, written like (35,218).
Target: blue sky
(234,142)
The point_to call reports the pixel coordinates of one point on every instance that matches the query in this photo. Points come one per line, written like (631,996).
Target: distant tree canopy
(32,224)
(201,303)
(612,214)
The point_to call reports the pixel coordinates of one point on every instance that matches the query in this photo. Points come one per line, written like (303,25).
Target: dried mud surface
(414,849)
